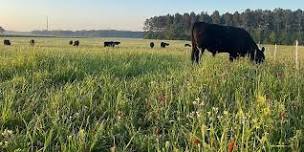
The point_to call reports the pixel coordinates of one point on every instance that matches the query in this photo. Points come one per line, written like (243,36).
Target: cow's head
(260,56)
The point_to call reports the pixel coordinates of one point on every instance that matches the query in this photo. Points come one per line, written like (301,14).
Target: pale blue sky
(27,15)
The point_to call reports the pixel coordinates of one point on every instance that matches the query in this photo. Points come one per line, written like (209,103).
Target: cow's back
(217,38)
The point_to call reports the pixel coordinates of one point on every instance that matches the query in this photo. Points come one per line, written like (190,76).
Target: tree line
(91,33)
(280,26)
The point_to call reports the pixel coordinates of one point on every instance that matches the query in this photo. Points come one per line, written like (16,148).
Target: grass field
(55,97)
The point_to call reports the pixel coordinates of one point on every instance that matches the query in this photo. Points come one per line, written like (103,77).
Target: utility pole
(47,23)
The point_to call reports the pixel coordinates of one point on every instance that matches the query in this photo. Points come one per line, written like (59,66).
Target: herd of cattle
(106,44)
(8,42)
(237,42)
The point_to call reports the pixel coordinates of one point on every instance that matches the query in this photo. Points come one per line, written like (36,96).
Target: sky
(28,15)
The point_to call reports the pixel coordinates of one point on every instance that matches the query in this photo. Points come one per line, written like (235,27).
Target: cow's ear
(263,49)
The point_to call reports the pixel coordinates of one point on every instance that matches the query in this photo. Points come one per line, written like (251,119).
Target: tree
(2,30)
(204,17)
(194,17)
(248,20)
(236,19)
(179,26)
(216,18)
(273,38)
(227,19)
(281,26)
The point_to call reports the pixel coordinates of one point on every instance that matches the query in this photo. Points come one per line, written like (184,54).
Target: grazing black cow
(76,43)
(117,43)
(7,42)
(71,42)
(164,45)
(216,39)
(152,45)
(187,45)
(32,42)
(111,44)
(107,44)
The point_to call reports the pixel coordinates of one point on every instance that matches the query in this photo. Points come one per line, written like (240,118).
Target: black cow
(107,44)
(187,45)
(116,43)
(7,42)
(71,42)
(111,44)
(32,42)
(76,43)
(216,39)
(152,45)
(164,45)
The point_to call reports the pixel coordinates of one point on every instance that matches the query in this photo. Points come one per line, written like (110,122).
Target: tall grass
(54,97)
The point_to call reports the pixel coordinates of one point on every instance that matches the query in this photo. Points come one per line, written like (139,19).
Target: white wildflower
(215,109)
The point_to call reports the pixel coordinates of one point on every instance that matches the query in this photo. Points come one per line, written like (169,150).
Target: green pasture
(56,97)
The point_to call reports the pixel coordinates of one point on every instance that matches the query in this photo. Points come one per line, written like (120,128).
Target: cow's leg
(199,54)
(232,57)
(202,50)
(213,54)
(194,54)
(252,55)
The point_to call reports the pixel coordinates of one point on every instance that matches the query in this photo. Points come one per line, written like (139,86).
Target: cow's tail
(194,45)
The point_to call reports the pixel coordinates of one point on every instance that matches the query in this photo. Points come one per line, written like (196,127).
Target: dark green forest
(280,26)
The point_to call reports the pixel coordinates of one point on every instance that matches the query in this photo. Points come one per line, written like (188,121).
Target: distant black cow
(163,44)
(111,44)
(32,42)
(71,42)
(76,43)
(152,45)
(7,42)
(117,43)
(216,39)
(187,45)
